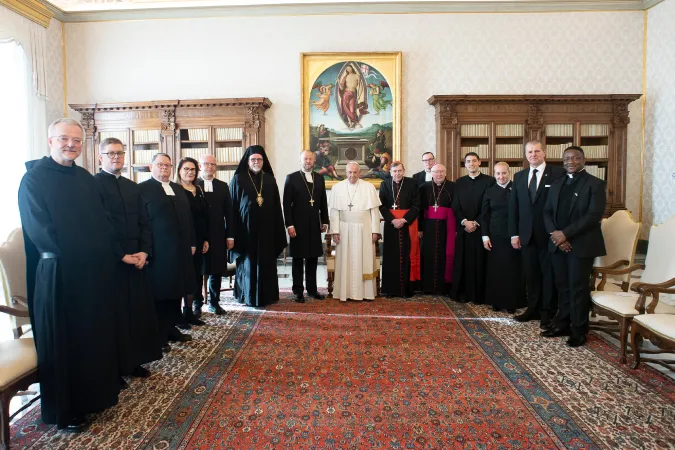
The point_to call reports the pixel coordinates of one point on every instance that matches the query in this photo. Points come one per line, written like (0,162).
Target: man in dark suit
(429,160)
(173,244)
(221,231)
(526,227)
(306,215)
(572,216)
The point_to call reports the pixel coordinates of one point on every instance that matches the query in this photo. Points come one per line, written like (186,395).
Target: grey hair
(64,120)
(157,155)
(503,164)
(355,163)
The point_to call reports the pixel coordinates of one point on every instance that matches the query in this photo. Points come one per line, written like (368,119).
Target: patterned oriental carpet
(394,373)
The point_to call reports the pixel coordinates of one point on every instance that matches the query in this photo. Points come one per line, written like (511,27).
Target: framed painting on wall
(351,111)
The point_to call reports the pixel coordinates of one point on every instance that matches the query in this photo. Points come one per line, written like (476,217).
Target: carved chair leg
(623,338)
(331,277)
(5,398)
(634,338)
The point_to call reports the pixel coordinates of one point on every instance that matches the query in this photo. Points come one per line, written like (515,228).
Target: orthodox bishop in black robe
(504,282)
(259,236)
(437,223)
(468,279)
(71,257)
(137,333)
(221,228)
(401,249)
(171,270)
(306,211)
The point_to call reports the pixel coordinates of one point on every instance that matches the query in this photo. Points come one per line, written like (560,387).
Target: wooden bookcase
(498,126)
(220,127)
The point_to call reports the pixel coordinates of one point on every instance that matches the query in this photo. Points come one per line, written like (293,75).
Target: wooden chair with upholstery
(659,273)
(13,278)
(329,257)
(659,329)
(621,234)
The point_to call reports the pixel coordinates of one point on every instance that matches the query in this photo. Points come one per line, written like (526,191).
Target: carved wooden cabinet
(497,127)
(220,127)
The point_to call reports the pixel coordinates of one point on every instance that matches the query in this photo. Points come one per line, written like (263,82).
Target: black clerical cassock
(71,257)
(259,236)
(401,252)
(171,270)
(505,285)
(221,228)
(468,279)
(305,209)
(137,333)
(437,221)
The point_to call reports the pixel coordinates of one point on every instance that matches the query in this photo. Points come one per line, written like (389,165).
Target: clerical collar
(208,185)
(308,176)
(110,173)
(503,185)
(474,177)
(574,175)
(167,187)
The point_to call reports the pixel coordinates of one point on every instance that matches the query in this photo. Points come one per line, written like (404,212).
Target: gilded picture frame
(351,111)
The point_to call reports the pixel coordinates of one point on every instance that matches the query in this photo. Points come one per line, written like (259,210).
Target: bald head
(208,166)
(438,173)
(307,160)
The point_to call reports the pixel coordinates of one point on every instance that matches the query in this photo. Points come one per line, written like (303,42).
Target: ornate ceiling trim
(336,8)
(34,10)
(611,98)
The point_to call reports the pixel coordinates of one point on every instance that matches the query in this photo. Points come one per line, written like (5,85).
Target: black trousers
(571,276)
(541,293)
(215,280)
(168,313)
(310,275)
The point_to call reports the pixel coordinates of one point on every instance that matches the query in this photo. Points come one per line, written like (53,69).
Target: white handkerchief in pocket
(547,185)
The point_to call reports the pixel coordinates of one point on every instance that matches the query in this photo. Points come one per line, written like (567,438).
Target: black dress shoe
(576,340)
(183,326)
(545,324)
(316,296)
(555,332)
(166,348)
(123,384)
(77,425)
(510,311)
(217,310)
(194,321)
(197,312)
(177,336)
(140,372)
(495,308)
(299,298)
(368,300)
(526,316)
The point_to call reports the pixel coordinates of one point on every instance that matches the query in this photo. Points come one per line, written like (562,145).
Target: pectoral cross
(394,206)
(311,202)
(350,206)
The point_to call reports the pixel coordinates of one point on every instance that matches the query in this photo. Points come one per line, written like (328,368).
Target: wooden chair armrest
(14,312)
(651,288)
(21,300)
(612,266)
(608,271)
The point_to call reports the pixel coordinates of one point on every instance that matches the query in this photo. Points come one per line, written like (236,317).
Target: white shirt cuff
(486,238)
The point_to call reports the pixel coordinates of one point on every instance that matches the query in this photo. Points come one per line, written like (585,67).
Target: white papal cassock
(355,264)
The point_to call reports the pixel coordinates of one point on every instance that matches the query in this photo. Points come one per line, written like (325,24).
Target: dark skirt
(505,285)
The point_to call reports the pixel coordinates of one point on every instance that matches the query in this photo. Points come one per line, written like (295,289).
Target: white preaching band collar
(308,176)
(167,188)
(427,176)
(208,185)
(503,185)
(116,175)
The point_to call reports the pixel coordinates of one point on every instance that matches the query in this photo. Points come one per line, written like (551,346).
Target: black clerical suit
(171,270)
(396,257)
(420,178)
(526,220)
(137,333)
(575,207)
(468,278)
(221,228)
(305,209)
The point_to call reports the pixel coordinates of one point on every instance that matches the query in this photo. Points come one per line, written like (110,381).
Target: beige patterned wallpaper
(543,53)
(54,65)
(659,185)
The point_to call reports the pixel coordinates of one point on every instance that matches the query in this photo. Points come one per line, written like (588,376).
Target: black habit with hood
(260,235)
(70,263)
(137,333)
(221,226)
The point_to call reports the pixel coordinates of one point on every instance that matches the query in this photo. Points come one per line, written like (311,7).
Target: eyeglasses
(427,160)
(113,155)
(65,140)
(163,166)
(255,159)
(189,169)
(209,164)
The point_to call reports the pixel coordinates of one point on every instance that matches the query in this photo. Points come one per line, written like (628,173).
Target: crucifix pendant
(311,202)
(259,200)
(394,206)
(350,206)
(436,207)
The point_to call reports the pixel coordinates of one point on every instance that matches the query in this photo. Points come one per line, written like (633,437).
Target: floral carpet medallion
(395,373)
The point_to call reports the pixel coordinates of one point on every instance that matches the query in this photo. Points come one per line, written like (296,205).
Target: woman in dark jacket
(186,175)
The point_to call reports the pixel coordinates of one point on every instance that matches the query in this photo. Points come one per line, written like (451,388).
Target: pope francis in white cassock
(354,225)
